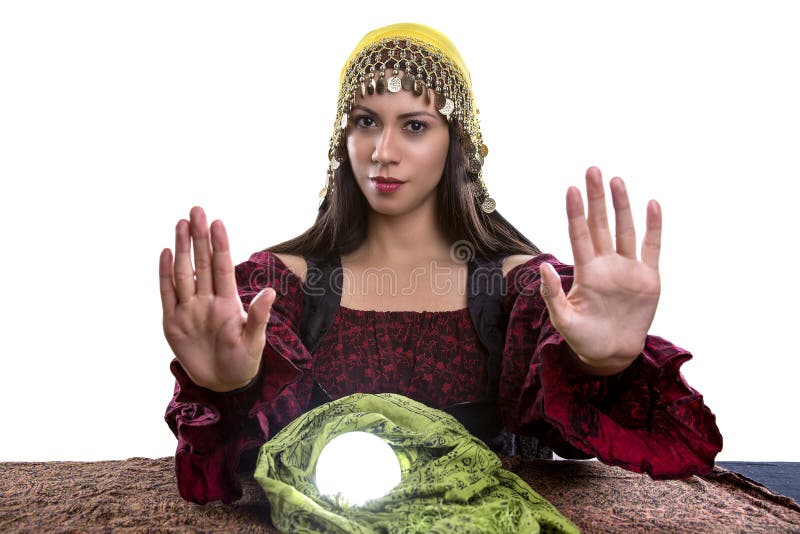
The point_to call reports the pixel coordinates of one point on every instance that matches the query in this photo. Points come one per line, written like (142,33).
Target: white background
(117,117)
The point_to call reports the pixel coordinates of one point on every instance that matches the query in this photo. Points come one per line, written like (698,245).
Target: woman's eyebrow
(401,116)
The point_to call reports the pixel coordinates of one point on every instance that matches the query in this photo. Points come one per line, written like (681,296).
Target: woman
(532,347)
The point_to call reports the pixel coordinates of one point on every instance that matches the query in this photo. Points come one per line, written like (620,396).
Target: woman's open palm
(608,311)
(218,344)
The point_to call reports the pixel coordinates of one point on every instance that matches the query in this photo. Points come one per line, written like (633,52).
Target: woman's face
(396,135)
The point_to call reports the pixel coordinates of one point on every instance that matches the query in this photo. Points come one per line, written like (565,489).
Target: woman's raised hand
(218,344)
(611,304)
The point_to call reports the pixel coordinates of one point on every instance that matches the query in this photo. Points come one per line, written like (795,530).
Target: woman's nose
(386,149)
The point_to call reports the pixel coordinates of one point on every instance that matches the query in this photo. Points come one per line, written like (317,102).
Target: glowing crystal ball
(358,466)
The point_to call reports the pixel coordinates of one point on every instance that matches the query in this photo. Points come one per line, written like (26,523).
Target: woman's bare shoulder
(515,260)
(296,264)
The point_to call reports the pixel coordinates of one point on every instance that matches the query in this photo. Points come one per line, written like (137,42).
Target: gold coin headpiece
(431,68)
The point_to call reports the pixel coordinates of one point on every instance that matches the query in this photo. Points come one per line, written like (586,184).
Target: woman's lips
(386,187)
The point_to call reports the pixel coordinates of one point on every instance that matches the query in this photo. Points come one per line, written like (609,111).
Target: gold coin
(395,84)
(448,107)
(419,86)
(484,150)
(363,89)
(407,82)
(371,86)
(381,86)
(488,205)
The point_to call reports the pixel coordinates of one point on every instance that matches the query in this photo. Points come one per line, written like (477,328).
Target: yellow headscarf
(417,31)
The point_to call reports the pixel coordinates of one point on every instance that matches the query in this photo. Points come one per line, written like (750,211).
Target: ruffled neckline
(403,313)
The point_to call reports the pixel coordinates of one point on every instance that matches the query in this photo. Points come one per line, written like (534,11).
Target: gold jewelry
(429,61)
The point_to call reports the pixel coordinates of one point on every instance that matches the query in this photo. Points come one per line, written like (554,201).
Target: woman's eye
(364,121)
(416,126)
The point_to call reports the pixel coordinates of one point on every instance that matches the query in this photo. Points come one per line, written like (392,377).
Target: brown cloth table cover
(140,495)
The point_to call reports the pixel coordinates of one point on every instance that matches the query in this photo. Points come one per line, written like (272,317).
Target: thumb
(259,312)
(552,292)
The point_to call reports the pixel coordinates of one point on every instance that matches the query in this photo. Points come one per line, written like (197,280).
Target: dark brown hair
(341,224)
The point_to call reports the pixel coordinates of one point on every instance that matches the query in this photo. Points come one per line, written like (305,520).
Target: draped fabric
(451,481)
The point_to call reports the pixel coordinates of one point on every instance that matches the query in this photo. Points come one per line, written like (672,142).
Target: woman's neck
(403,240)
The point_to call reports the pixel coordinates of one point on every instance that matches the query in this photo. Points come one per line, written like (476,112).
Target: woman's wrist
(574,362)
(234,388)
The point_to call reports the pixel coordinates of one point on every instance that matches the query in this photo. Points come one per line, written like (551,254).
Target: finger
(625,231)
(222,264)
(258,315)
(168,297)
(598,218)
(651,246)
(183,274)
(579,236)
(202,251)
(553,294)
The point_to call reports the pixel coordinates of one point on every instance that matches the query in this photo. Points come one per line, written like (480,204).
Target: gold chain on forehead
(426,69)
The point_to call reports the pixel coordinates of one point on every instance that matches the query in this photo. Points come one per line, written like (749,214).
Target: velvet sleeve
(215,429)
(644,419)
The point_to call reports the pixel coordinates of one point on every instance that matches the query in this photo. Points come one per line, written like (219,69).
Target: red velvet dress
(645,419)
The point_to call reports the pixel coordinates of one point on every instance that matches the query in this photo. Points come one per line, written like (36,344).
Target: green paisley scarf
(451,481)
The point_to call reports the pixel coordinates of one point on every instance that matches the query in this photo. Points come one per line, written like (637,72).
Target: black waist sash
(486,290)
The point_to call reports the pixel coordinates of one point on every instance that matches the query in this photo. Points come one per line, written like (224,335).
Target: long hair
(341,224)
